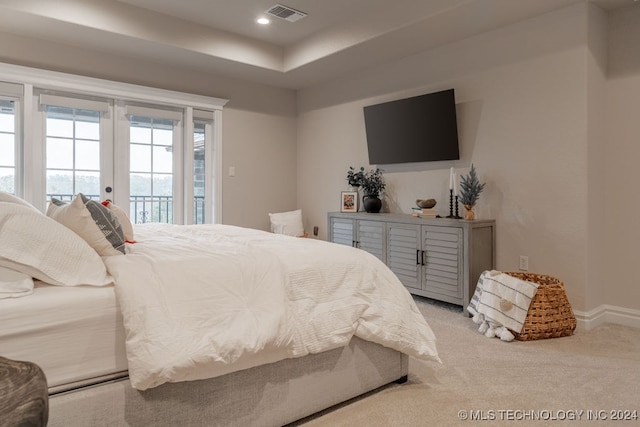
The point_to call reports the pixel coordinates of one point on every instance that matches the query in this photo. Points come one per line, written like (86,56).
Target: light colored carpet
(560,381)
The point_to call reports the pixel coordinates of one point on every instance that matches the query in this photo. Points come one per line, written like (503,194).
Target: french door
(151,151)
(73,156)
(149,142)
(129,154)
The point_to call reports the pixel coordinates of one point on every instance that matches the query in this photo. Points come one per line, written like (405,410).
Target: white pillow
(289,223)
(14,284)
(96,224)
(42,248)
(10,198)
(125,222)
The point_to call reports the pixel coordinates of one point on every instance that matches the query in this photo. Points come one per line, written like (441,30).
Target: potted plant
(372,184)
(470,189)
(355,177)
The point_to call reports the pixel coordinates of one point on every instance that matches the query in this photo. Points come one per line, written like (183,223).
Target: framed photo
(349,201)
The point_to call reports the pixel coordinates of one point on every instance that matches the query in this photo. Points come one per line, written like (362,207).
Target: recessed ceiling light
(263,21)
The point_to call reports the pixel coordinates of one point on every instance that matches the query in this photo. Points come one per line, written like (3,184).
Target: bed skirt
(271,395)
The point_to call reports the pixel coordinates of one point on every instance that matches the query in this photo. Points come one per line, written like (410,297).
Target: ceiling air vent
(285,12)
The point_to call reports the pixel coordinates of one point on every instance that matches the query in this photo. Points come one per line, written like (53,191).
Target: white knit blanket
(504,299)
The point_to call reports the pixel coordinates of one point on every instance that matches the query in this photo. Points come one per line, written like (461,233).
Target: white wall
(261,147)
(622,201)
(522,102)
(596,66)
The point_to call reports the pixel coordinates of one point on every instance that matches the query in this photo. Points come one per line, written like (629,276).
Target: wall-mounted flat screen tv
(418,129)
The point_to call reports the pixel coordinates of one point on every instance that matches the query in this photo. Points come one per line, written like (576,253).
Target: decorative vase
(468,212)
(372,204)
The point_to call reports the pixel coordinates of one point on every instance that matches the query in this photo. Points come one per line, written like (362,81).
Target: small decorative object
(426,203)
(452,188)
(372,204)
(451,204)
(470,189)
(349,201)
(372,184)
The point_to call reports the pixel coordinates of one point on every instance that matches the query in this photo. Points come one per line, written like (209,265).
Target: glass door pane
(72,152)
(199,173)
(151,169)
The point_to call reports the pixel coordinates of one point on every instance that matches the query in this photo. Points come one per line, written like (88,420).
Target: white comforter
(205,300)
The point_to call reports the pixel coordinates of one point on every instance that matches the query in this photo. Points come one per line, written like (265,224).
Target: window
(8,146)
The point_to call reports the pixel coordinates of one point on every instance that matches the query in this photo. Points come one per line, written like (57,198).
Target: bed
(201,325)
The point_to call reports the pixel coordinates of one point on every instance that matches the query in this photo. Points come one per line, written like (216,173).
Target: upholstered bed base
(269,395)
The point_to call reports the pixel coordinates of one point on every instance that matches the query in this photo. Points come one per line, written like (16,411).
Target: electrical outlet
(315,231)
(524,263)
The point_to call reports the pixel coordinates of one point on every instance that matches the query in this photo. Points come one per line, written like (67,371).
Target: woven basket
(550,314)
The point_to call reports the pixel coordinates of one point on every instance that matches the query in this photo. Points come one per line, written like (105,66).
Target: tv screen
(418,129)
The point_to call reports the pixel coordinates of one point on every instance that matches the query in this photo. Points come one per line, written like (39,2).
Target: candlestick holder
(457,216)
(451,204)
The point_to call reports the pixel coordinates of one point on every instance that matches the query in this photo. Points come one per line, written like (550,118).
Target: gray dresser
(438,258)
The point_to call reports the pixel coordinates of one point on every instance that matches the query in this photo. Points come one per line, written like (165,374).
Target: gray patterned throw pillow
(95,223)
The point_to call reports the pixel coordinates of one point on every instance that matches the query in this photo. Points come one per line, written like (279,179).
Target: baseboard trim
(606,313)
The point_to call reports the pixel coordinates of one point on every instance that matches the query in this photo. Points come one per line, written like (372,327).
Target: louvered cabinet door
(442,272)
(342,231)
(371,237)
(404,254)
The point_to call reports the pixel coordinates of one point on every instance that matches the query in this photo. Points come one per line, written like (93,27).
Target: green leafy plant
(372,182)
(470,188)
(355,177)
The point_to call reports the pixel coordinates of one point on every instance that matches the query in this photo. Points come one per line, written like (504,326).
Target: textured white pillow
(14,284)
(125,222)
(40,247)
(96,224)
(10,198)
(289,223)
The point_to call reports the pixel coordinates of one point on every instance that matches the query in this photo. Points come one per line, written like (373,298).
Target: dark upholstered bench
(23,394)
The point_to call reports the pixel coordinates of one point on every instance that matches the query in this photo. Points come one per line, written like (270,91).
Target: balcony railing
(143,209)
(151,209)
